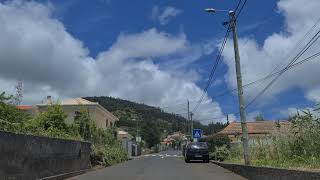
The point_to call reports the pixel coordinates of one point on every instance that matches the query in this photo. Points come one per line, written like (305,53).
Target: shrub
(297,145)
(108,155)
(84,124)
(106,148)
(11,119)
(51,123)
(221,153)
(216,140)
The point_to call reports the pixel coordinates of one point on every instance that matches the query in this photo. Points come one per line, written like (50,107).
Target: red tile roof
(22,107)
(258,127)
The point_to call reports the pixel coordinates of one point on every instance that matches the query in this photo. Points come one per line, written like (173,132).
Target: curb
(267,173)
(65,175)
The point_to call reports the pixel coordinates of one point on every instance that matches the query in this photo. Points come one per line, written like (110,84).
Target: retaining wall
(32,157)
(265,173)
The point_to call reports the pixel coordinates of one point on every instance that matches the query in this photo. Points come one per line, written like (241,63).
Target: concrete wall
(264,173)
(31,157)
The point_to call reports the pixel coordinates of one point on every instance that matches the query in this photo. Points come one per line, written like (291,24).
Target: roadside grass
(294,147)
(278,164)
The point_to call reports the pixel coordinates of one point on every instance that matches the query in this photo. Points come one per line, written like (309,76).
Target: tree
(216,140)
(19,93)
(54,117)
(83,123)
(259,118)
(151,133)
(8,112)
(216,127)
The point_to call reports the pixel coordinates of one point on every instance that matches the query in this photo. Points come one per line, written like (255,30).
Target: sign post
(196,134)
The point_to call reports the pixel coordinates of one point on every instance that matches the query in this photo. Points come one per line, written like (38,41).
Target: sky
(160,53)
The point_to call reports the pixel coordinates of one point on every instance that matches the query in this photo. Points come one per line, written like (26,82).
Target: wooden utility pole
(191,114)
(188,117)
(245,137)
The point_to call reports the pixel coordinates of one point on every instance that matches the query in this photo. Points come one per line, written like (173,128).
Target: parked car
(197,151)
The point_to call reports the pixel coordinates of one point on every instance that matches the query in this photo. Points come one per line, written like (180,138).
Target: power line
(294,65)
(210,80)
(298,44)
(245,1)
(238,5)
(218,59)
(305,48)
(272,73)
(268,76)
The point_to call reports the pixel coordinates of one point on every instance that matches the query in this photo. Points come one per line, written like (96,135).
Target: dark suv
(196,151)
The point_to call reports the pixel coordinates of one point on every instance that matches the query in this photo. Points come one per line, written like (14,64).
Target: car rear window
(199,145)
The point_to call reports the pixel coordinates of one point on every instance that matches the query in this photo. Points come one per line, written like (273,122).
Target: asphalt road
(167,165)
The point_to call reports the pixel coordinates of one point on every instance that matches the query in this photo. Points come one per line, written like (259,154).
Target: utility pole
(191,114)
(228,118)
(188,116)
(245,137)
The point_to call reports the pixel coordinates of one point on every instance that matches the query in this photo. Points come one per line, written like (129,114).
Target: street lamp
(212,10)
(245,138)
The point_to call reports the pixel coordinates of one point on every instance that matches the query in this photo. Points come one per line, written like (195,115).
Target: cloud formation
(37,50)
(166,15)
(258,60)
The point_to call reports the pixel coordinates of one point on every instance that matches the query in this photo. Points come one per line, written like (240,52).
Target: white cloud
(37,50)
(291,111)
(252,115)
(259,60)
(166,15)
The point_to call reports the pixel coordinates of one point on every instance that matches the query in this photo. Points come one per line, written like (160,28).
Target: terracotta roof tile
(259,127)
(23,107)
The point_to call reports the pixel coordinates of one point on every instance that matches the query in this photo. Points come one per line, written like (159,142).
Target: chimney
(49,100)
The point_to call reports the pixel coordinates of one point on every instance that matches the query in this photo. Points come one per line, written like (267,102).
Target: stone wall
(265,173)
(32,157)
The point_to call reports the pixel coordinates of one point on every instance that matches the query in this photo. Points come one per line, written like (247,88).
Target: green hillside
(147,119)
(131,114)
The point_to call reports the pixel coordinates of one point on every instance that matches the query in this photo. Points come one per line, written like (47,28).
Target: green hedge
(215,141)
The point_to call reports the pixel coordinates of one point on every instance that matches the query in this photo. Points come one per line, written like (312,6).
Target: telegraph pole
(228,118)
(191,114)
(245,137)
(188,116)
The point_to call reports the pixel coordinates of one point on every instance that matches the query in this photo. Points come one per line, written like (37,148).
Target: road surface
(167,165)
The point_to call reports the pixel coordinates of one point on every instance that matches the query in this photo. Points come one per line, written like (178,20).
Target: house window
(107,123)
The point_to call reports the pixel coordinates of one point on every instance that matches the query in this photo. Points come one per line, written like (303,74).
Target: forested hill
(133,115)
(128,112)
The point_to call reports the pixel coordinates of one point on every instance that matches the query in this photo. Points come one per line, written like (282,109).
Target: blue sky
(101,26)
(98,23)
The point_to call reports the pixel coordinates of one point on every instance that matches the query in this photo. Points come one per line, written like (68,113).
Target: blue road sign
(196,133)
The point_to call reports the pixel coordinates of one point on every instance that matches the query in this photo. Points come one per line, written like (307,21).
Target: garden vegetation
(295,146)
(106,149)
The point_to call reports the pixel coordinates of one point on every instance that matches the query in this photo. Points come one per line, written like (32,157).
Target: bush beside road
(107,150)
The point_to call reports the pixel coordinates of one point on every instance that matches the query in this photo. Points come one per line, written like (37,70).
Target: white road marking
(163,155)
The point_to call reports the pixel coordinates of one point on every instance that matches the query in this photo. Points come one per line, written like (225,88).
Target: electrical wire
(210,80)
(268,76)
(245,2)
(294,65)
(238,5)
(305,48)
